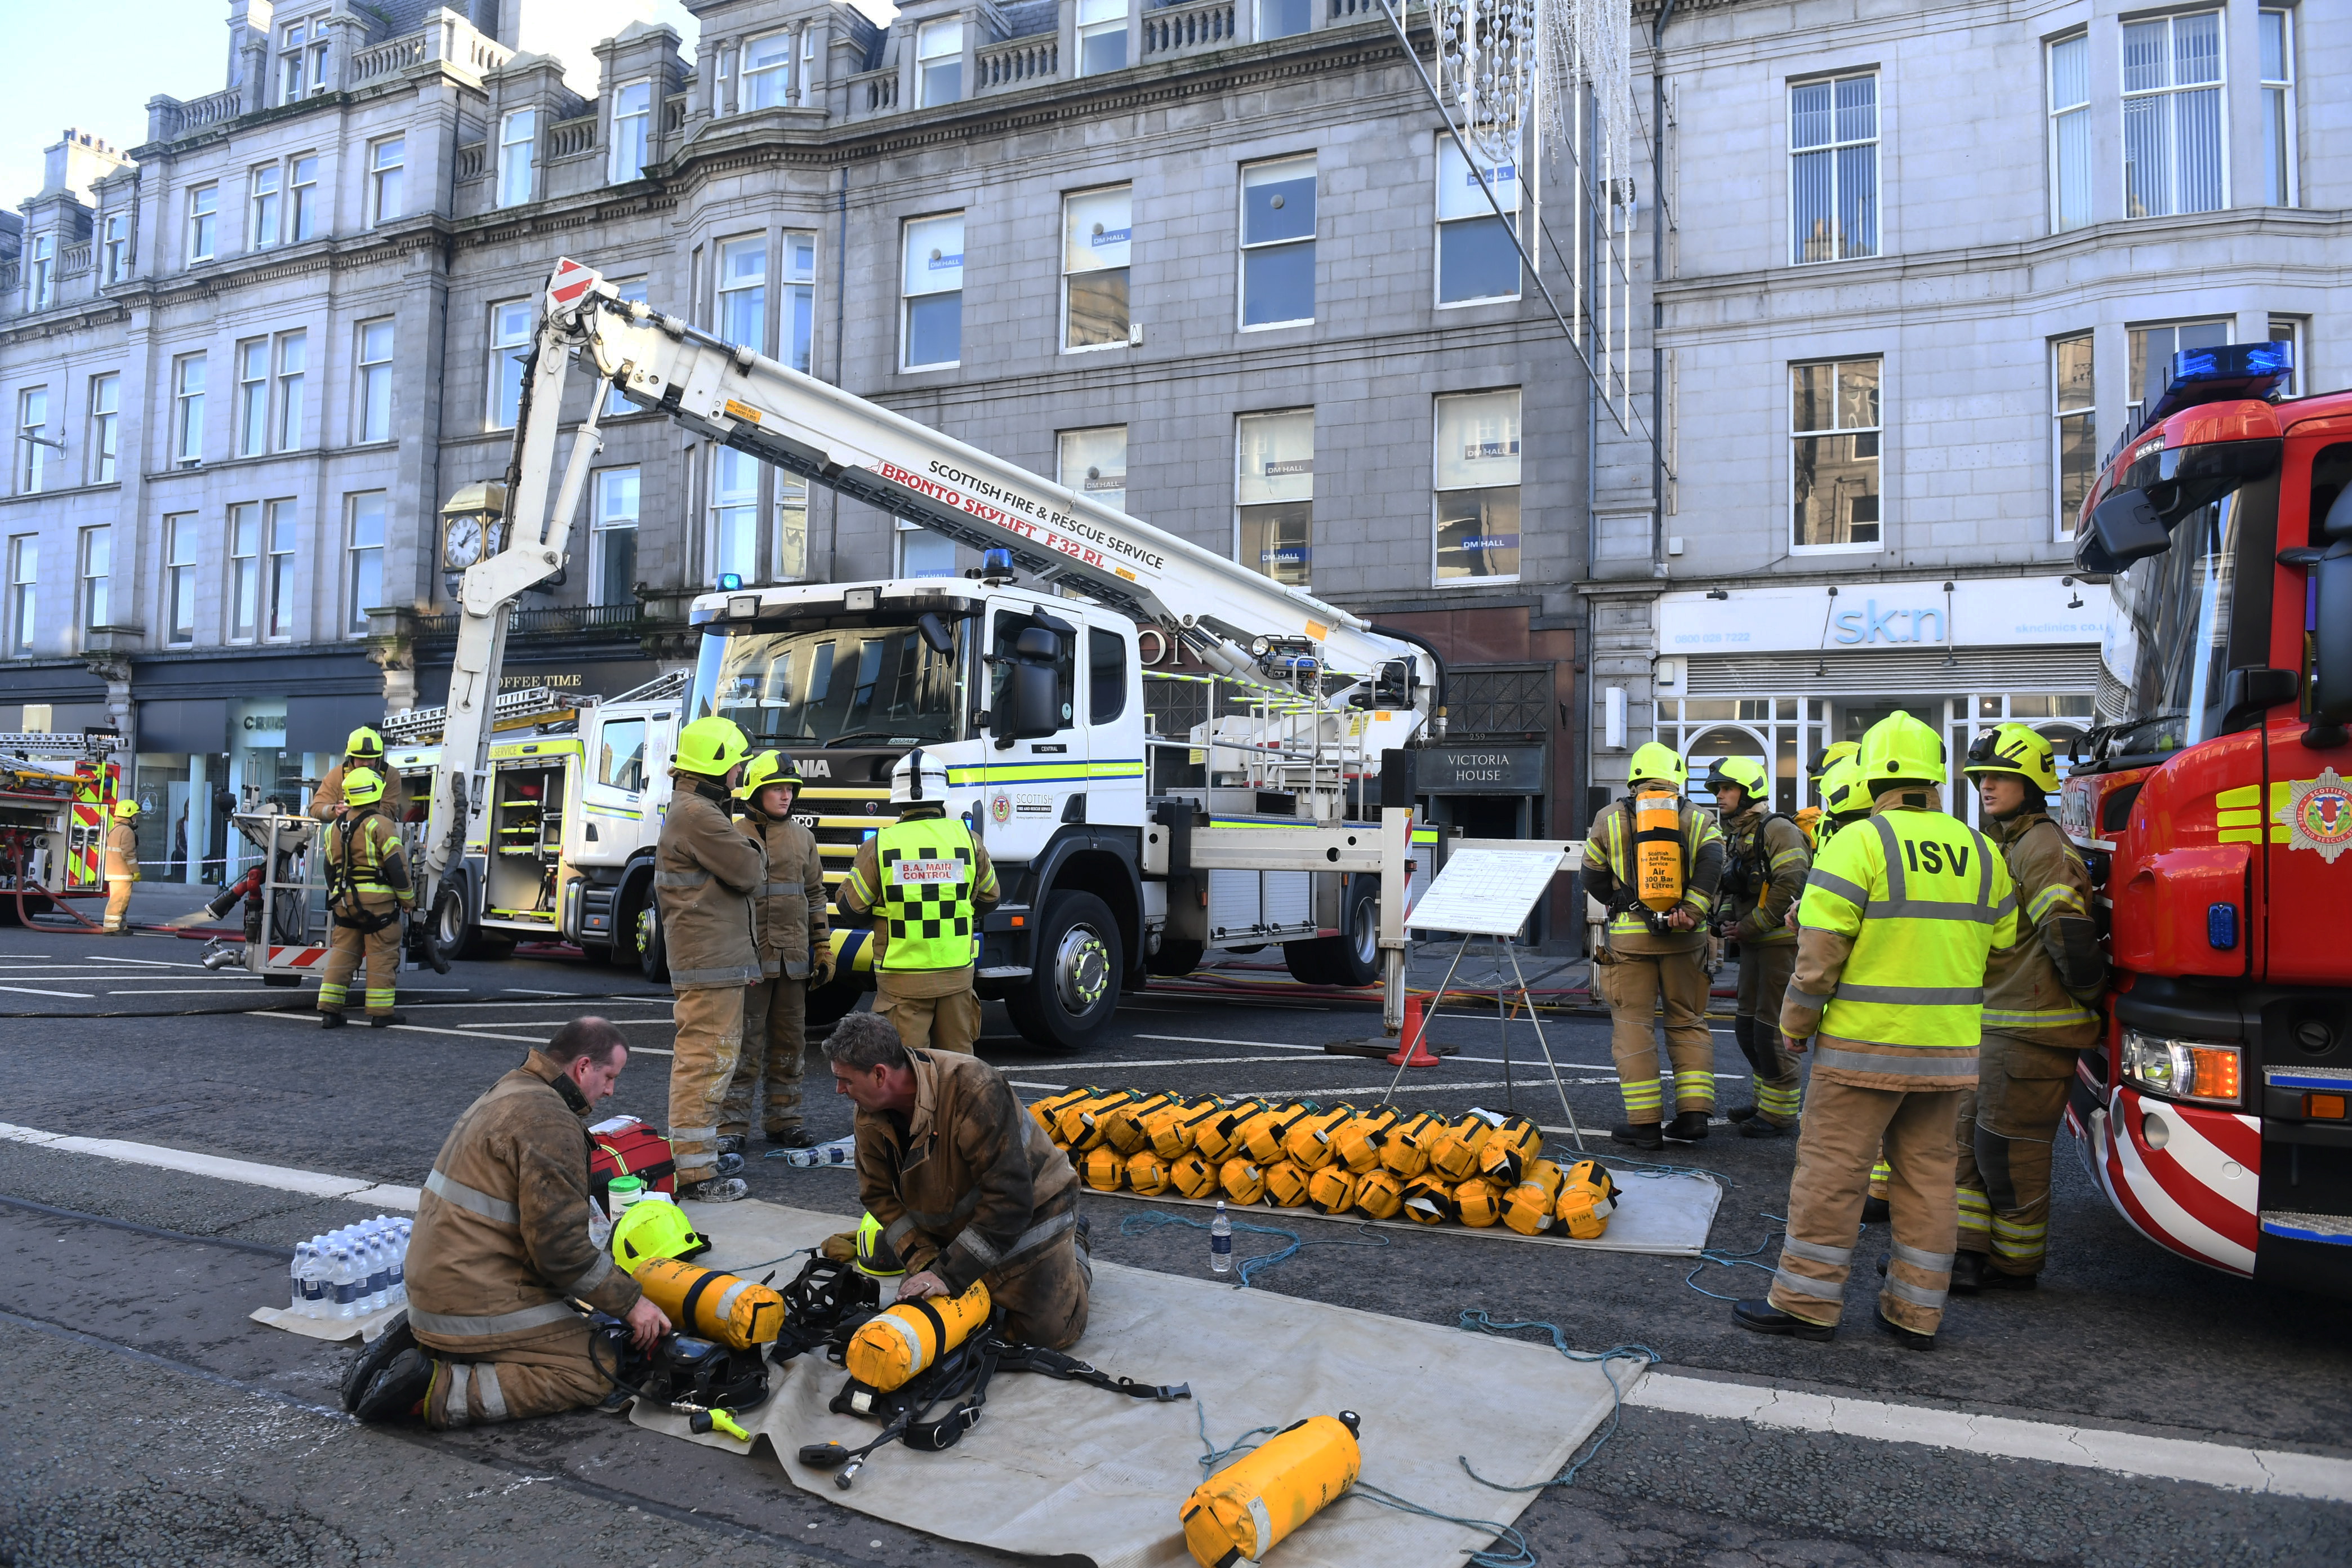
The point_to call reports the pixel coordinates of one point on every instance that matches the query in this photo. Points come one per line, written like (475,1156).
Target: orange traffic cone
(1411,1052)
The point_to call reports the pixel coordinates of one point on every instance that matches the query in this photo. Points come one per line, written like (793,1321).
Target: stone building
(1215,261)
(1922,267)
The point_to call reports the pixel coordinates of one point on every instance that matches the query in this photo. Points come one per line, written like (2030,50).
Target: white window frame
(302,197)
(743,294)
(1242,424)
(1835,148)
(505,352)
(797,295)
(1083,483)
(788,540)
(105,427)
(2134,403)
(2061,520)
(373,346)
(632,120)
(2289,330)
(603,517)
(24,593)
(904,534)
(204,221)
(517,152)
(115,248)
(280,527)
(93,578)
(1101,19)
(1261,33)
(1788,511)
(41,278)
(292,365)
(387,178)
(771,79)
(32,463)
(907,297)
(355,552)
(1445,145)
(183,552)
(734,515)
(252,397)
(1438,493)
(265,205)
(244,580)
(2219,86)
(2278,115)
(938,46)
(1070,272)
(2070,117)
(188,407)
(1244,244)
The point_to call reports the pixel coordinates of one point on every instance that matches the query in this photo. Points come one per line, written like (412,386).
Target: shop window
(1274,494)
(1477,474)
(1834,436)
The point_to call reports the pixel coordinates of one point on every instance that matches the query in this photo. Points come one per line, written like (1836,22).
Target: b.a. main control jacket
(966,1184)
(705,875)
(501,1234)
(788,919)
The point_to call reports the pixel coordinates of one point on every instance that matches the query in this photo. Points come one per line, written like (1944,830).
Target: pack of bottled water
(840,1151)
(352,1272)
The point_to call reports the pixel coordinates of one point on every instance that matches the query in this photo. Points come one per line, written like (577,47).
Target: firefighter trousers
(118,905)
(348,947)
(775,1045)
(1632,986)
(945,1022)
(537,1379)
(2006,1130)
(1764,972)
(1843,1132)
(709,1020)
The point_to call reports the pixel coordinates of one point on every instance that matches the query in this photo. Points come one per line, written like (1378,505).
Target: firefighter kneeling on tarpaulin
(501,1252)
(964,1182)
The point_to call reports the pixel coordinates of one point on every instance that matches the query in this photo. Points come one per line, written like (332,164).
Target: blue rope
(1716,1255)
(1247,1269)
(1477,1321)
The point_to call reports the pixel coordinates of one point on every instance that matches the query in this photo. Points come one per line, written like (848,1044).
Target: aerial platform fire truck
(2216,812)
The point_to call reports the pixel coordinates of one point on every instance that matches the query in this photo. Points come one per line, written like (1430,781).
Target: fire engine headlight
(2182,1070)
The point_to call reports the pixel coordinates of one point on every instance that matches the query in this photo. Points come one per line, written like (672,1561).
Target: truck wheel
(1352,958)
(653,951)
(458,937)
(1176,957)
(1074,989)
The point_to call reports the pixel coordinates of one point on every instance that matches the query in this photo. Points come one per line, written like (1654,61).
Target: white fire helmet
(917,779)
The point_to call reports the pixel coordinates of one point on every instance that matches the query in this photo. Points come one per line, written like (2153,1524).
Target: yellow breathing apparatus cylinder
(1528,1206)
(1332,1189)
(1104,1168)
(1404,1148)
(1429,1199)
(1087,1124)
(1219,1137)
(1285,1184)
(1309,1142)
(1454,1154)
(1262,1138)
(1245,1509)
(1147,1174)
(1658,850)
(1045,1111)
(1379,1194)
(1587,1197)
(1123,1126)
(1243,1182)
(1479,1202)
(1505,1155)
(1360,1138)
(1193,1176)
(1175,1131)
(897,1345)
(736,1312)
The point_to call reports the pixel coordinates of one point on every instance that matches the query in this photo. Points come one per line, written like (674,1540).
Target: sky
(180,48)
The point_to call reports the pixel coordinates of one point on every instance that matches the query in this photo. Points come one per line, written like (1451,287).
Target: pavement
(149,1421)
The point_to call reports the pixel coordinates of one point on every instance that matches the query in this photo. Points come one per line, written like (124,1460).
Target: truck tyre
(1073,990)
(1177,956)
(458,935)
(653,951)
(1351,958)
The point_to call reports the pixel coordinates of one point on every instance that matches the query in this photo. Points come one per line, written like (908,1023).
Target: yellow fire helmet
(1843,795)
(1834,755)
(1657,763)
(1745,771)
(712,747)
(363,786)
(126,808)
(652,1228)
(1899,747)
(363,742)
(2015,749)
(875,1256)
(768,768)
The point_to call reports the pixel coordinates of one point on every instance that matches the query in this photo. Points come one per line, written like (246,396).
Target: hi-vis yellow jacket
(1900,915)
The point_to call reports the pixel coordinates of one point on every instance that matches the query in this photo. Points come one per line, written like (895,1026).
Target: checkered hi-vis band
(926,892)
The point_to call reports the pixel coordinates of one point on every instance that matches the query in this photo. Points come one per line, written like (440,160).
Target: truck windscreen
(842,683)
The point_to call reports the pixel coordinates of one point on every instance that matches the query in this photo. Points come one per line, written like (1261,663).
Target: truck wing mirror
(2125,528)
(2331,676)
(2251,690)
(935,633)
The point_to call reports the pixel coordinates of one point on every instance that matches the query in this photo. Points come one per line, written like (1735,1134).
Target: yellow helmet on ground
(363,786)
(1900,747)
(363,742)
(1659,764)
(768,768)
(1843,795)
(2015,749)
(875,1256)
(1835,754)
(712,747)
(126,808)
(653,1228)
(1746,773)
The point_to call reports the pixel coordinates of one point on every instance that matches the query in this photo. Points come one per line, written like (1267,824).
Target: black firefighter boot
(1743,1033)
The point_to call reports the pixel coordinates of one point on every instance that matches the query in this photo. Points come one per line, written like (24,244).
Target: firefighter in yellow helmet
(1764,866)
(1900,915)
(2042,999)
(795,956)
(1653,944)
(1809,817)
(362,749)
(926,881)
(122,865)
(706,876)
(368,889)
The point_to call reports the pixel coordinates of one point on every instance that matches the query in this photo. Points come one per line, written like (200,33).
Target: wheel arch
(1098,860)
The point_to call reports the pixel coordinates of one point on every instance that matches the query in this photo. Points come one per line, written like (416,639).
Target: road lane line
(460,1034)
(315,1184)
(36,991)
(1255,1045)
(2225,1465)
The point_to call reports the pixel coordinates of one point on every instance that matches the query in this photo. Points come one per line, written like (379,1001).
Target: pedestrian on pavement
(705,875)
(963,1182)
(122,865)
(2041,999)
(1648,954)
(795,957)
(368,889)
(500,1250)
(362,749)
(1900,915)
(1764,867)
(926,881)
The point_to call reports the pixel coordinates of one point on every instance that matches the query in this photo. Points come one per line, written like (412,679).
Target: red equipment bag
(633,1149)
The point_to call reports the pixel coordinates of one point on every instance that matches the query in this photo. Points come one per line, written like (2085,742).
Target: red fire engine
(2216,812)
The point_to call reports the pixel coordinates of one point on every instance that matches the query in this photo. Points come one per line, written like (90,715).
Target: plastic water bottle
(318,1292)
(1220,1242)
(299,1271)
(397,1296)
(344,1275)
(379,1273)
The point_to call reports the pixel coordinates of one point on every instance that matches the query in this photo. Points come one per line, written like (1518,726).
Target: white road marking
(158,962)
(284,1178)
(1254,1045)
(2124,1453)
(533,990)
(473,1034)
(36,991)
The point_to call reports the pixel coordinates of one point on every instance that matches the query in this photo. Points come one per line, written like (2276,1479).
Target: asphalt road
(148,1421)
